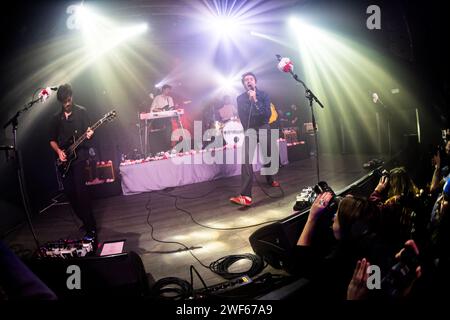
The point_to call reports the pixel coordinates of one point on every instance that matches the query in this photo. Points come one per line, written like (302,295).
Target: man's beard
(68,108)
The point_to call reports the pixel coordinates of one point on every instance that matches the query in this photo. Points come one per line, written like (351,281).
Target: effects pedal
(305,199)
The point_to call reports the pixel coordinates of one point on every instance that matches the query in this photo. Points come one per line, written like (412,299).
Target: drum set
(231,131)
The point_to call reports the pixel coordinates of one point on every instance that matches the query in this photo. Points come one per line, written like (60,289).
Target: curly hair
(248,74)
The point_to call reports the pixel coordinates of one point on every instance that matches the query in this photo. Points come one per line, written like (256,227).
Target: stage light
(224,26)
(102,38)
(338,69)
(227,84)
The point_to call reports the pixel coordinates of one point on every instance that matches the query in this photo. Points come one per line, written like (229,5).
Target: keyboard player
(161,129)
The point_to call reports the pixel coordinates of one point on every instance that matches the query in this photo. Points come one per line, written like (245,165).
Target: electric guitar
(70,151)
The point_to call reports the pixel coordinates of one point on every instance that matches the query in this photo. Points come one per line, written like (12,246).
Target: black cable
(198,197)
(219,267)
(222,265)
(172,288)
(209,227)
(149,209)
(192,268)
(264,191)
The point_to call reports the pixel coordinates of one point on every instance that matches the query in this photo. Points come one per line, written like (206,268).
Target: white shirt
(161,101)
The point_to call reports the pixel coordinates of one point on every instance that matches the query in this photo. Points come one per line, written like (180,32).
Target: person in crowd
(357,227)
(18,282)
(441,169)
(401,203)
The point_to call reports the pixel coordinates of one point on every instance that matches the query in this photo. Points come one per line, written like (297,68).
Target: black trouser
(247,167)
(78,195)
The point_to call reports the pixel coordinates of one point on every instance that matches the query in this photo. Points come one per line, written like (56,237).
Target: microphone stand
(19,165)
(311,97)
(388,116)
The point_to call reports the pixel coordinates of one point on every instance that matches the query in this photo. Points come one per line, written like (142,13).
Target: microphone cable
(265,192)
(211,227)
(220,266)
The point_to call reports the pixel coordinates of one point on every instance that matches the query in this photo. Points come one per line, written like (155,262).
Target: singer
(254,112)
(72,121)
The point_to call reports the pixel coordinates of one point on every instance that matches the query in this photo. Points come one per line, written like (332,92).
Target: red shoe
(275,184)
(242,200)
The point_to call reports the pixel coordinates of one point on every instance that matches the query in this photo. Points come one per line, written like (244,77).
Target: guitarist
(72,121)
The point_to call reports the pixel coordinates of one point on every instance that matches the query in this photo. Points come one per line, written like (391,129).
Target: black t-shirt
(63,130)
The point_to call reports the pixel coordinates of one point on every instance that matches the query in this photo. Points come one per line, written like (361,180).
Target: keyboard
(161,114)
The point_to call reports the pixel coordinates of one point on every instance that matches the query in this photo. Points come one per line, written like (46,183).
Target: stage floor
(125,217)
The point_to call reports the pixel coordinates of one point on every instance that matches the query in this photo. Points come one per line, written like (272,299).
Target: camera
(307,196)
(304,199)
(323,187)
(401,274)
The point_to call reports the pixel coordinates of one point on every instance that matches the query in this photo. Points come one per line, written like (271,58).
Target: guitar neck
(83,137)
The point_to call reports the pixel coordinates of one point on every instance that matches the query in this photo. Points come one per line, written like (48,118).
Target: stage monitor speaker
(298,151)
(274,242)
(106,276)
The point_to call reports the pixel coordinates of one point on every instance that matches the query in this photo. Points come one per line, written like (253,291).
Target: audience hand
(437,160)
(357,288)
(382,184)
(319,205)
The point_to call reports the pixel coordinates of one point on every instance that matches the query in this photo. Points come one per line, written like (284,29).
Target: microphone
(284,64)
(250,87)
(375,97)
(46,92)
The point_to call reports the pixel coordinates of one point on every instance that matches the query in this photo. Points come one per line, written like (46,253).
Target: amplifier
(101,172)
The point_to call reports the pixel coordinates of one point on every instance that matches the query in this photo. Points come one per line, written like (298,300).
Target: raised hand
(357,288)
(382,184)
(319,205)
